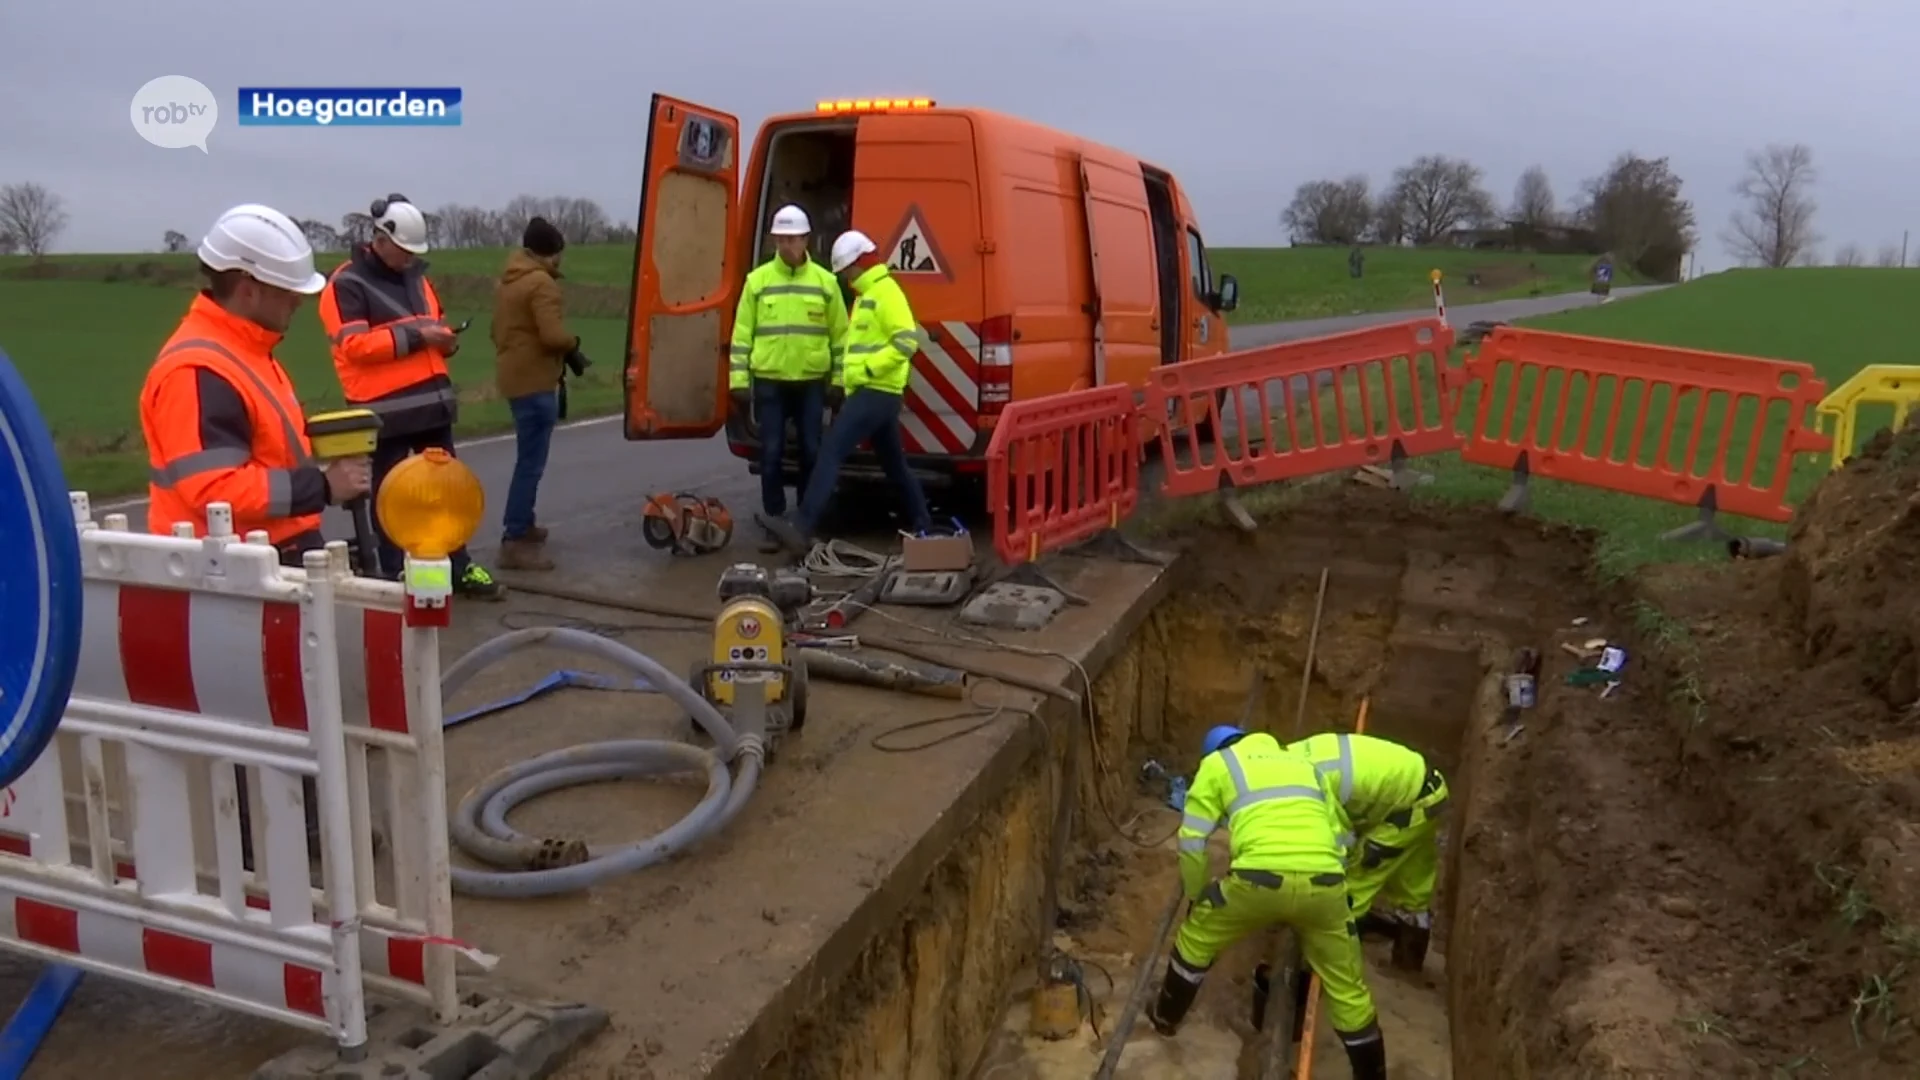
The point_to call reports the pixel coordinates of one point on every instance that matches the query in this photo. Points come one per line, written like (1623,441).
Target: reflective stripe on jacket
(1371,777)
(1271,800)
(883,336)
(373,316)
(790,325)
(223,424)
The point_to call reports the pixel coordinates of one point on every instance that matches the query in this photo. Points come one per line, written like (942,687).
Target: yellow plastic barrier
(1897,385)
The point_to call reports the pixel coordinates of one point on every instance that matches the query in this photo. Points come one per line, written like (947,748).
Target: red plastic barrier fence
(1303,407)
(1573,392)
(1062,469)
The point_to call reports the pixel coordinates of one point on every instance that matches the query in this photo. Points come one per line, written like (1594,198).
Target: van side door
(1206,323)
(683,273)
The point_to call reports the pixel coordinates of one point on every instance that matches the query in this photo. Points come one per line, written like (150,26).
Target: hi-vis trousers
(1314,906)
(1397,864)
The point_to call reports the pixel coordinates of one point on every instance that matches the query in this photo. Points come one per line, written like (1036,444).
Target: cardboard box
(919,553)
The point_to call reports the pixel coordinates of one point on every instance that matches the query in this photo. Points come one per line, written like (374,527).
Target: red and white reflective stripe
(943,396)
(127,946)
(232,657)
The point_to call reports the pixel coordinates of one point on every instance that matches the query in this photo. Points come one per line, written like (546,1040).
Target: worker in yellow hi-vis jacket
(1391,799)
(1287,867)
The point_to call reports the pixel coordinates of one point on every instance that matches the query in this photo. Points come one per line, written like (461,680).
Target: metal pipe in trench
(1143,979)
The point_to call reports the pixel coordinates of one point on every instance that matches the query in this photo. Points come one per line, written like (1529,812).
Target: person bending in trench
(1390,799)
(1287,867)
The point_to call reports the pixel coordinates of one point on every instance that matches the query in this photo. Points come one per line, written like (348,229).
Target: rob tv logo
(174,112)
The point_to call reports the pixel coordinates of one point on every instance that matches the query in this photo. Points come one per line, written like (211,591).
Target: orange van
(1037,262)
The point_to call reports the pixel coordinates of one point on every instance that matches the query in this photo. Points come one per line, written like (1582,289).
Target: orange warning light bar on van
(875,105)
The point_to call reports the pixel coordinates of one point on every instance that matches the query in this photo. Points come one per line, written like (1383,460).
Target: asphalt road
(596,479)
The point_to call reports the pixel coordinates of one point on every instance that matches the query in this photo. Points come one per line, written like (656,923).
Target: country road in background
(596,479)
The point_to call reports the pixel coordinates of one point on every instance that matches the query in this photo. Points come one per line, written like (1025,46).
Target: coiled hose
(544,867)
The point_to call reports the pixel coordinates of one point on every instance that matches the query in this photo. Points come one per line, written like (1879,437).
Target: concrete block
(496,1038)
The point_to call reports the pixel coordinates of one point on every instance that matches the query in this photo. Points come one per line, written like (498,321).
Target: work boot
(1410,948)
(1177,991)
(770,544)
(1366,1053)
(1374,924)
(791,536)
(477,584)
(523,554)
(535,533)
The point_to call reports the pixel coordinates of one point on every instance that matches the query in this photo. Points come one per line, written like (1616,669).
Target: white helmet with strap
(851,245)
(402,222)
(264,244)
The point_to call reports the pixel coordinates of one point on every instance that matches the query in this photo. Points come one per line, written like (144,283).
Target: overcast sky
(1242,99)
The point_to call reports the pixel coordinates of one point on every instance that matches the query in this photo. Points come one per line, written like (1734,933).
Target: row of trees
(1634,208)
(581,221)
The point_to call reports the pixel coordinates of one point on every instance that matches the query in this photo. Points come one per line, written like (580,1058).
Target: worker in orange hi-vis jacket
(220,416)
(390,347)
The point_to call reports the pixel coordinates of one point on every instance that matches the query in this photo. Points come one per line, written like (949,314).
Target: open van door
(683,273)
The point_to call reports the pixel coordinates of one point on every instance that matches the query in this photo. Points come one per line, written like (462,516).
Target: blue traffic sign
(40,584)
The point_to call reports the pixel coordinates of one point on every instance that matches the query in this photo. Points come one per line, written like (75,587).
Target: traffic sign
(40,581)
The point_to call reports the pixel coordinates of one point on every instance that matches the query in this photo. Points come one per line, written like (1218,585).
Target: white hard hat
(791,221)
(851,245)
(404,224)
(266,245)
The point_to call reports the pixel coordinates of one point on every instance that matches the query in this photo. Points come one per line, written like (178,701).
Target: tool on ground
(685,523)
(1755,547)
(1523,688)
(559,680)
(749,667)
(1055,1013)
(901,675)
(1153,774)
(839,614)
(926,588)
(351,433)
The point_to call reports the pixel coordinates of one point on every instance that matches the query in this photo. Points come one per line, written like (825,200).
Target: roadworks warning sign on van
(913,250)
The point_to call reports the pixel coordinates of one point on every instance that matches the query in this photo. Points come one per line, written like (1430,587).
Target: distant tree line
(453,225)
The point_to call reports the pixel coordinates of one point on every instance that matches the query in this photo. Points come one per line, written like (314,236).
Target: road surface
(596,478)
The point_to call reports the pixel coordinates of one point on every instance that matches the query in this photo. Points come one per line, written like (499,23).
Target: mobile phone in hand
(462,328)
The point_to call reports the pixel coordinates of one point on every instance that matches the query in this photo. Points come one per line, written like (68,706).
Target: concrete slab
(702,963)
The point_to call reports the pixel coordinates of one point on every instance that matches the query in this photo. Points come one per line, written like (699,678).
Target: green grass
(83,328)
(84,349)
(1306,283)
(1836,320)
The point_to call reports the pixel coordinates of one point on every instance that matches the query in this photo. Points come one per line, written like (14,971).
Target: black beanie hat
(542,238)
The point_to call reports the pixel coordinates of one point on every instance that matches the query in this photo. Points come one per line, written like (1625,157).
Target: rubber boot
(1410,948)
(1375,925)
(1177,992)
(1368,1057)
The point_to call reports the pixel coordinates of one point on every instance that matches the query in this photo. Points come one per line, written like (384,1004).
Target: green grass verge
(1836,320)
(1278,284)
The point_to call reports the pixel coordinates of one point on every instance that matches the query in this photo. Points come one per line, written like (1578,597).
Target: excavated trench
(1568,843)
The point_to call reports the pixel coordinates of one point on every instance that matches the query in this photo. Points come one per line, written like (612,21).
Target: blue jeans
(774,403)
(534,418)
(867,414)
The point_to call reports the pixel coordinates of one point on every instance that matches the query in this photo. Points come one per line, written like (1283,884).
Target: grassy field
(1837,320)
(83,328)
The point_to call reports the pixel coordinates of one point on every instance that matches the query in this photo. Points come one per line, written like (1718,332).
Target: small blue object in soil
(40,582)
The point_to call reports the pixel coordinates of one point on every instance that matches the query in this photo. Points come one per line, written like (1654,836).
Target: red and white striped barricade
(199,655)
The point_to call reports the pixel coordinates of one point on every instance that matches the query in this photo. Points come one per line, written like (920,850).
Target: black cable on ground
(523,620)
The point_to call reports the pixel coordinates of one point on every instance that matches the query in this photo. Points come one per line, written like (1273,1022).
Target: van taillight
(996,364)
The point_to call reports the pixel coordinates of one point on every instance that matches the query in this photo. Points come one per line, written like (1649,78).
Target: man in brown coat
(532,352)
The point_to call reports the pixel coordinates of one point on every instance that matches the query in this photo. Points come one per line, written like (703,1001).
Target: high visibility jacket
(1272,802)
(883,337)
(1371,777)
(790,325)
(223,424)
(373,316)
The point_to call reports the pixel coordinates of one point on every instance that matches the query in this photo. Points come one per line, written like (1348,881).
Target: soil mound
(1852,567)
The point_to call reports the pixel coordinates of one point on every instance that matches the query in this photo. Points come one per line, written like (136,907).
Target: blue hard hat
(1218,737)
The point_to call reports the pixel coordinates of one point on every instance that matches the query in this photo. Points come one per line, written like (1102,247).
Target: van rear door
(683,273)
(917,194)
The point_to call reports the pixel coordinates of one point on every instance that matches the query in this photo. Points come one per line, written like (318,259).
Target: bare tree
(174,241)
(1330,211)
(1389,225)
(32,215)
(1849,255)
(1888,256)
(1437,194)
(1777,224)
(356,228)
(1533,204)
(321,235)
(8,245)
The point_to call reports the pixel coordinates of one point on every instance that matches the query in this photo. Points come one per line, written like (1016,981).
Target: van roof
(990,123)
